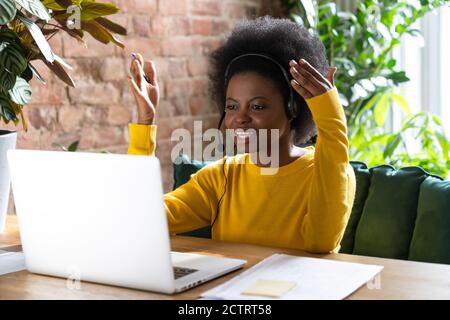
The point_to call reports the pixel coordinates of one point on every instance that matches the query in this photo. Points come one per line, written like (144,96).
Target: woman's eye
(257,107)
(230,107)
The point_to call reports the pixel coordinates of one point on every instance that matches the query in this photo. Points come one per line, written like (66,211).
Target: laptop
(101,218)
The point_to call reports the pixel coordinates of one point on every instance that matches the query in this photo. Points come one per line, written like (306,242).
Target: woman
(270,74)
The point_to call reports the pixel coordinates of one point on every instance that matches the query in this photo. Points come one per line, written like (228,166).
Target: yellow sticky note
(269,288)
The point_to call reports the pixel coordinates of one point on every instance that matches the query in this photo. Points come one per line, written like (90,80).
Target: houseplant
(25,28)
(360,43)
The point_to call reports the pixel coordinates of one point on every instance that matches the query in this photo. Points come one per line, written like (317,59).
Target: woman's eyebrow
(257,97)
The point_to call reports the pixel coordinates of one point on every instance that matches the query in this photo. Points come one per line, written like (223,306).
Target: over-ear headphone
(291,108)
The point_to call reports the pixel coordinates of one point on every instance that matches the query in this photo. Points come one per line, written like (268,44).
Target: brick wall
(177,34)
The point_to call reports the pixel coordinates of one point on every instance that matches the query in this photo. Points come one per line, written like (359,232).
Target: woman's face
(254,102)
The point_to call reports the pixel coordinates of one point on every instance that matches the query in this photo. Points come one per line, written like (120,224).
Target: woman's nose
(242,117)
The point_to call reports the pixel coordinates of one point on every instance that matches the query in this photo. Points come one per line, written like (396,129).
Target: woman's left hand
(308,82)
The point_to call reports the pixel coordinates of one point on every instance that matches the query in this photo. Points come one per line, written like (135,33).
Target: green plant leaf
(57,69)
(381,110)
(35,7)
(7,11)
(111,26)
(92,10)
(73,146)
(36,73)
(27,74)
(6,111)
(401,101)
(38,37)
(53,5)
(7,79)
(21,93)
(392,144)
(100,33)
(12,58)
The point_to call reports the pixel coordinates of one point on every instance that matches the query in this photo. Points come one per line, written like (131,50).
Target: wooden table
(399,279)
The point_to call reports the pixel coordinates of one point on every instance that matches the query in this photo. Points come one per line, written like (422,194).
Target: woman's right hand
(146,93)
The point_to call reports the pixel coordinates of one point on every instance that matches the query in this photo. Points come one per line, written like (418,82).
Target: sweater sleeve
(333,188)
(192,205)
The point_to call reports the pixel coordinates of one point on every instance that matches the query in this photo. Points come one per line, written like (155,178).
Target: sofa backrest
(400,214)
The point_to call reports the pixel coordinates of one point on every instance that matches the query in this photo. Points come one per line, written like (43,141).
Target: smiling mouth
(242,135)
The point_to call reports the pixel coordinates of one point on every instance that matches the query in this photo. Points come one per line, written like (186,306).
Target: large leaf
(7,79)
(35,7)
(100,33)
(6,111)
(111,26)
(57,68)
(92,10)
(12,58)
(7,11)
(36,73)
(53,5)
(38,37)
(27,74)
(21,93)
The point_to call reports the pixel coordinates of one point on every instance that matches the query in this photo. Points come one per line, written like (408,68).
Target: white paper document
(296,278)
(11,262)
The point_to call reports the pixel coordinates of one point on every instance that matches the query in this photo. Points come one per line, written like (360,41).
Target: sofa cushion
(387,222)
(362,175)
(431,237)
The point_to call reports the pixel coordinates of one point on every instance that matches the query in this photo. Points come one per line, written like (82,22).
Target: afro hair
(281,39)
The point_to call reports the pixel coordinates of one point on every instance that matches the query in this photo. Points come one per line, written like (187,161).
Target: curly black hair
(281,39)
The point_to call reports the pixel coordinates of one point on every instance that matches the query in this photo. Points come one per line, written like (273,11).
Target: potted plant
(25,28)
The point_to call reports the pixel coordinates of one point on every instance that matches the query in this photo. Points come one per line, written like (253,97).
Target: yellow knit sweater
(305,205)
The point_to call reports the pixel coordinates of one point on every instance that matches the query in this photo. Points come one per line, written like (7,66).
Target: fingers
(330,75)
(134,87)
(301,90)
(150,72)
(307,82)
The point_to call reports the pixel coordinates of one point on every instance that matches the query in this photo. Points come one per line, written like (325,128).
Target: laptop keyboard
(181,272)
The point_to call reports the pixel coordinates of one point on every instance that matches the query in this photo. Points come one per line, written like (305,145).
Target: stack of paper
(11,262)
(287,277)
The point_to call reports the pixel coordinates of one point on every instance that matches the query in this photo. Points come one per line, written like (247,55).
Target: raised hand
(308,82)
(144,86)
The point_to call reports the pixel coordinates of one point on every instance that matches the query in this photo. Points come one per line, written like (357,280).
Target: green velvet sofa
(399,214)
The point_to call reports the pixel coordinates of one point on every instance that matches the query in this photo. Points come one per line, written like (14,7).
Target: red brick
(199,86)
(138,6)
(172,7)
(118,115)
(239,10)
(141,26)
(90,92)
(205,8)
(40,117)
(113,69)
(101,137)
(69,117)
(196,105)
(177,87)
(201,27)
(92,48)
(209,45)
(148,47)
(49,93)
(162,26)
(198,66)
(220,27)
(183,46)
(177,68)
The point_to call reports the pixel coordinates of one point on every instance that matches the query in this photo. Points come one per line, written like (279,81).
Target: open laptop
(101,218)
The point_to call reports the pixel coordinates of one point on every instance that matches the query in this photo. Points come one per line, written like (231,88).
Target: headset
(290,108)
